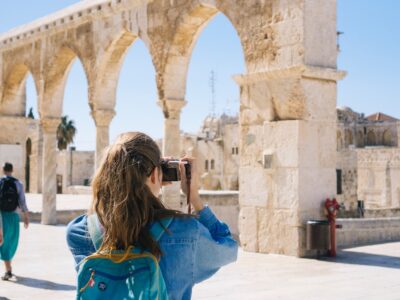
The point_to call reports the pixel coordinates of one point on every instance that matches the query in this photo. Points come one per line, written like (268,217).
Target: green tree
(65,133)
(30,113)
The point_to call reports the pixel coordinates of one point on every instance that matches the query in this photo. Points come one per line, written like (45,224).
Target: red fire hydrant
(332,207)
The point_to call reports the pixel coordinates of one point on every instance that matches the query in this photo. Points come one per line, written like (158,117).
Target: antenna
(212,86)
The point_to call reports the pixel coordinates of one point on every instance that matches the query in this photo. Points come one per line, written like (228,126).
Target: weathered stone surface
(287,114)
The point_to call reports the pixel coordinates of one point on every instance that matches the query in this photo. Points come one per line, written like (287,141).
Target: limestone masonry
(287,122)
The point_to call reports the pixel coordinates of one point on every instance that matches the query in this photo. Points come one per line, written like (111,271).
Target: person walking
(11,197)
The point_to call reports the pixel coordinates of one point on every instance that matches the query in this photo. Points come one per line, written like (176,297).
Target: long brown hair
(123,202)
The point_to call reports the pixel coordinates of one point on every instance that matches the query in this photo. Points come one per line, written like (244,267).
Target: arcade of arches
(287,101)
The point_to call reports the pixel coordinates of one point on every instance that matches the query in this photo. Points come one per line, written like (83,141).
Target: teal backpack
(121,275)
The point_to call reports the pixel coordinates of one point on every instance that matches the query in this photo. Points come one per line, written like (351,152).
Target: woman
(125,198)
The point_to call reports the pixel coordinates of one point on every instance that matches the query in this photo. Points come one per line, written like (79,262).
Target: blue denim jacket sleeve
(215,246)
(78,239)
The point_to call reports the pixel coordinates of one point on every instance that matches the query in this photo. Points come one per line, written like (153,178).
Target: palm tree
(65,133)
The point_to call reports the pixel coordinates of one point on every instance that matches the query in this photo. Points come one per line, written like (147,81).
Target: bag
(121,275)
(8,194)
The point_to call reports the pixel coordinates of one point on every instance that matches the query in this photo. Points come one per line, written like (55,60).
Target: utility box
(318,235)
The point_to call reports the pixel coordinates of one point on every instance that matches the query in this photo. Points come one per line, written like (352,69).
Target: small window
(212,164)
(233,150)
(206,165)
(237,150)
(339,182)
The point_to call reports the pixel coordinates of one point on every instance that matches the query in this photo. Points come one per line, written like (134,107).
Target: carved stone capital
(172,107)
(103,117)
(50,125)
(311,72)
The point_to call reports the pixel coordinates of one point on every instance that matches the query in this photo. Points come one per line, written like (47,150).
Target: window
(233,150)
(206,165)
(212,164)
(237,150)
(339,182)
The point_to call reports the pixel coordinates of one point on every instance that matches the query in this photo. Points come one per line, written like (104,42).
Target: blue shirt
(193,251)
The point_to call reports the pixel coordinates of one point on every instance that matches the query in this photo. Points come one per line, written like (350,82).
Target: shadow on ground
(42,284)
(367,259)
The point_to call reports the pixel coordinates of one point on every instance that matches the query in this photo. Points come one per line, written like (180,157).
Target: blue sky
(370,48)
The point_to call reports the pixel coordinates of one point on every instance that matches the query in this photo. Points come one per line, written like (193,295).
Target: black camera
(171,171)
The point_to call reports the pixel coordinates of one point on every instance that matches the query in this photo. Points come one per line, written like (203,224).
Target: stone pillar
(49,181)
(102,119)
(172,146)
(288,155)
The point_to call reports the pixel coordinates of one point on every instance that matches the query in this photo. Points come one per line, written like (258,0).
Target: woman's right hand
(194,182)
(1,237)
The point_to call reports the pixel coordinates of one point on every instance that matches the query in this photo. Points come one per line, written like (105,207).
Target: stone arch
(360,139)
(348,137)
(371,138)
(188,30)
(103,93)
(14,93)
(387,138)
(56,74)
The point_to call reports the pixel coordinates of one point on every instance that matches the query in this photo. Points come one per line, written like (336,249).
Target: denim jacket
(193,251)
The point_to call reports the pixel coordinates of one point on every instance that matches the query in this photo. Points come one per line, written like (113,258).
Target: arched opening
(136,106)
(28,152)
(31,106)
(56,77)
(213,98)
(371,138)
(76,135)
(348,138)
(76,95)
(360,139)
(387,138)
(19,91)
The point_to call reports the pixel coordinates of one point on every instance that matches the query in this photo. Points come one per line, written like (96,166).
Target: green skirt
(10,235)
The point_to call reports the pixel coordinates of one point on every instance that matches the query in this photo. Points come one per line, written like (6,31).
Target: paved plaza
(45,270)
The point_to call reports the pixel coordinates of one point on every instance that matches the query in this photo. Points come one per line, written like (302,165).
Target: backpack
(131,274)
(8,194)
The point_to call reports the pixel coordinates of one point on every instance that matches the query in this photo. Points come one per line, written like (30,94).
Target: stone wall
(347,163)
(379,177)
(357,232)
(16,131)
(75,167)
(13,154)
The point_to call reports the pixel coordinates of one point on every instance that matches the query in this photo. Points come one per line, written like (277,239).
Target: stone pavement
(45,270)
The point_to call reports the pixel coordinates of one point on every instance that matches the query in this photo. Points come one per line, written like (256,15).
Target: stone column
(172,145)
(49,180)
(288,155)
(102,119)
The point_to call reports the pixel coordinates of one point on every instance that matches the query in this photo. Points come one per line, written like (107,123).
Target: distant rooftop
(380,117)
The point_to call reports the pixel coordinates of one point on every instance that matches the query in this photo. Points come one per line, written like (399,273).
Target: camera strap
(188,174)
(188,196)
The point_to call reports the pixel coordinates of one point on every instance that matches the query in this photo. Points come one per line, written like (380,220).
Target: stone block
(315,185)
(278,232)
(255,187)
(248,228)
(320,104)
(320,25)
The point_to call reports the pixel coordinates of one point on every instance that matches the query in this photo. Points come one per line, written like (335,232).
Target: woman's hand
(26,220)
(1,236)
(194,183)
